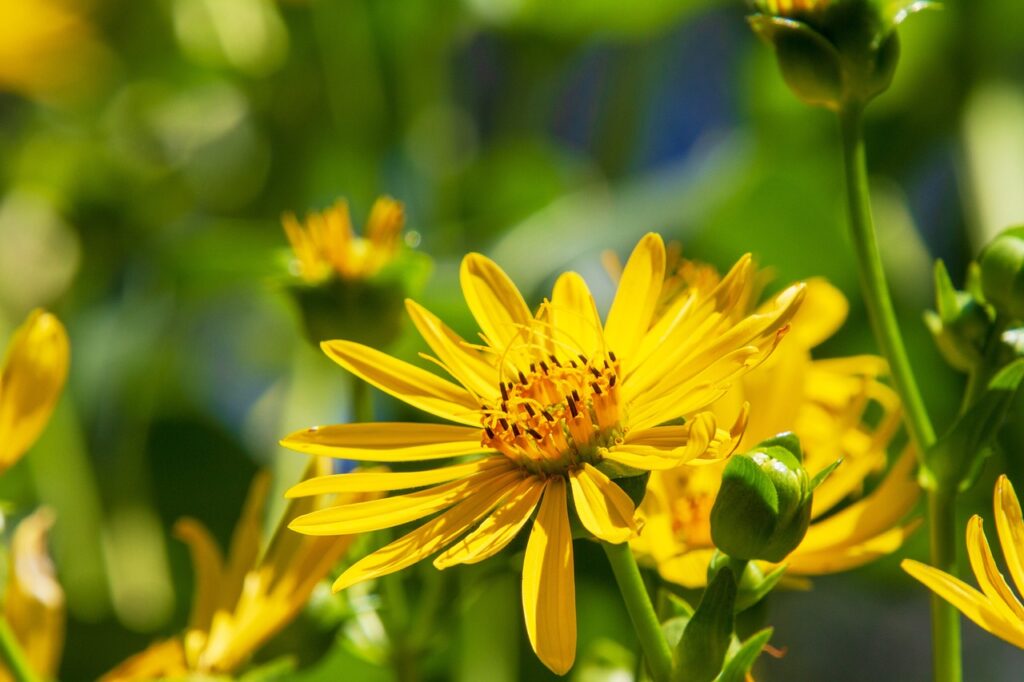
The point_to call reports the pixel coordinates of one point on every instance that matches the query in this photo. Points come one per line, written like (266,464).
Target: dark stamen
(595,372)
(611,355)
(572,408)
(504,392)
(515,430)
(544,366)
(489,431)
(522,378)
(597,389)
(529,410)
(547,415)
(535,433)
(575,395)
(611,380)
(503,422)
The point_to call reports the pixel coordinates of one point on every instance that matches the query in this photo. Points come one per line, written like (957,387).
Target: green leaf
(706,639)
(740,663)
(946,302)
(952,461)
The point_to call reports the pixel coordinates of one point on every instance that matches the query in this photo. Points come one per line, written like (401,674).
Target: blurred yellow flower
(239,605)
(996,608)
(550,402)
(31,381)
(328,246)
(48,48)
(790,7)
(826,403)
(34,600)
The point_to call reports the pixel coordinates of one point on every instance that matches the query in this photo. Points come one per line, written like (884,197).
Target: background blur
(148,149)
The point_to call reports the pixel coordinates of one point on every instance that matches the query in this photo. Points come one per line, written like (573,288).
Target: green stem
(14,656)
(641,612)
(941,503)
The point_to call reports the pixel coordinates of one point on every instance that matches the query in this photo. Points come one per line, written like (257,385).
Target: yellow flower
(34,600)
(47,48)
(549,403)
(327,245)
(996,608)
(239,605)
(31,380)
(788,8)
(825,403)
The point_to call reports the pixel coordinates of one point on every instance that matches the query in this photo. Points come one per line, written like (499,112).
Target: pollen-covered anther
(558,415)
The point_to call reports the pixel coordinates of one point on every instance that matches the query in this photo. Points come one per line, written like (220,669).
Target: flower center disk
(558,415)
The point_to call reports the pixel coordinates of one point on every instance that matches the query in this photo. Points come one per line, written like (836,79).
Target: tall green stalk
(641,611)
(941,502)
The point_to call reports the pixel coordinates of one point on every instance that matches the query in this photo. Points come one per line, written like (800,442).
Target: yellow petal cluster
(327,246)
(995,608)
(550,402)
(34,600)
(241,602)
(838,408)
(48,48)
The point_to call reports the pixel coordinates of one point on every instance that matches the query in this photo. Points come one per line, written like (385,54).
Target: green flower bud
(763,507)
(960,325)
(832,52)
(1002,273)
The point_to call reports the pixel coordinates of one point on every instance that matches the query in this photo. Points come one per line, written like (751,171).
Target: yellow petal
(207,569)
(31,380)
(433,535)
(821,314)
(406,382)
(987,573)
(603,507)
(360,517)
(467,365)
(549,586)
(245,542)
(574,316)
(495,302)
(1010,526)
(378,481)
(161,660)
(497,530)
(386,441)
(845,556)
(34,600)
(967,600)
(689,569)
(636,296)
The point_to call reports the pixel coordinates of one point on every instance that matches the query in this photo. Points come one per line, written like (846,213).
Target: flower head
(552,406)
(831,406)
(327,246)
(31,380)
(995,608)
(240,603)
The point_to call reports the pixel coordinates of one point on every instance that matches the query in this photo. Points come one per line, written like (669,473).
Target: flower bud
(831,52)
(960,324)
(763,507)
(1002,273)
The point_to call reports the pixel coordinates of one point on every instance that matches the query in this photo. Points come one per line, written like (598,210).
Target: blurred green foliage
(142,206)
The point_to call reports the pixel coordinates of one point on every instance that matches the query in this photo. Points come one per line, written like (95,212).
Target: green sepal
(820,477)
(810,64)
(750,594)
(960,324)
(951,463)
(787,440)
(277,670)
(743,659)
(1002,272)
(701,650)
(895,12)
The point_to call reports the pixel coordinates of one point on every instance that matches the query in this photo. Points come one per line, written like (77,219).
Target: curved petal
(574,316)
(821,314)
(1010,525)
(466,364)
(549,586)
(987,573)
(848,556)
(637,296)
(967,600)
(406,382)
(386,441)
(689,569)
(495,302)
(497,530)
(31,380)
(207,569)
(433,535)
(380,481)
(359,517)
(603,507)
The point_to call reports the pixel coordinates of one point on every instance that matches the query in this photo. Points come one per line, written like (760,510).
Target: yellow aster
(549,406)
(825,403)
(995,608)
(34,600)
(240,604)
(31,381)
(327,245)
